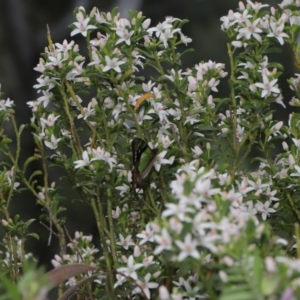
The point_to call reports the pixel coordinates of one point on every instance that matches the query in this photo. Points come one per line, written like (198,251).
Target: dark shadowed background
(23,37)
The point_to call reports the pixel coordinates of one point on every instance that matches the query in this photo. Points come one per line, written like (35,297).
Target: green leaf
(28,161)
(238,296)
(27,224)
(272,50)
(34,174)
(36,236)
(21,128)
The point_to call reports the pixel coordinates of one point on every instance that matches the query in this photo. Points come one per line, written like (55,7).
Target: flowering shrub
(163,162)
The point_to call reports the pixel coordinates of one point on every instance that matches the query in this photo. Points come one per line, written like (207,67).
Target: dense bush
(163,162)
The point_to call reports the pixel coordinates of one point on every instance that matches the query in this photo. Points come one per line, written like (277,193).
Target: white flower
(160,28)
(267,86)
(87,111)
(101,154)
(298,171)
(129,271)
(95,59)
(40,67)
(296,142)
(164,242)
(160,160)
(141,117)
(112,64)
(116,213)
(174,75)
(178,210)
(56,59)
(197,151)
(124,35)
(125,242)
(45,81)
(146,235)
(159,110)
(123,189)
(6,103)
(100,17)
(185,39)
(213,83)
(84,162)
(33,105)
(52,144)
(250,29)
(276,31)
(264,209)
(120,280)
(145,286)
(50,120)
(241,18)
(45,99)
(108,103)
(188,248)
(203,187)
(57,261)
(76,71)
(82,25)
(147,261)
(257,5)
(271,194)
(165,140)
(65,46)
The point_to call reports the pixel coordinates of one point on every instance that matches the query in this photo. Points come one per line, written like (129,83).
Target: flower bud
(237,44)
(242,6)
(146,23)
(223,276)
(273,11)
(157,274)
(4,222)
(163,293)
(108,16)
(92,13)
(270,264)
(136,251)
(285,146)
(222,116)
(210,100)
(291,160)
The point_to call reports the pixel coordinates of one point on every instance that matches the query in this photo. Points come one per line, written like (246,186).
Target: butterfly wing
(148,160)
(138,146)
(143,159)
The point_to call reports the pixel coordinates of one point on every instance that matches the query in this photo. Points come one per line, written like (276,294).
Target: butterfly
(143,159)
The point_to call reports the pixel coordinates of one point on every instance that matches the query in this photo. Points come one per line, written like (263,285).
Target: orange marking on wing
(143,98)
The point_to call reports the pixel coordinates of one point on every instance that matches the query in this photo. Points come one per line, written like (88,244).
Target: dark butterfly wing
(138,147)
